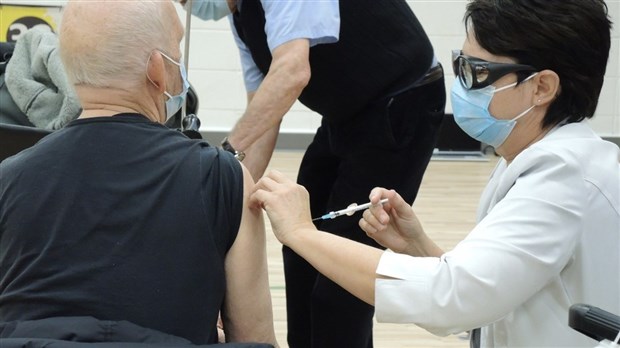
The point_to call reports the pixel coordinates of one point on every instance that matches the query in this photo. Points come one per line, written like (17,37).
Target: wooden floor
(446,206)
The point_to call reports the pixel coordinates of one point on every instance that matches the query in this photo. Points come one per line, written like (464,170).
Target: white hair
(116,53)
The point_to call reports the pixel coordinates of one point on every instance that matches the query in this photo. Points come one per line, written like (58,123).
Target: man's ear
(156,72)
(547,87)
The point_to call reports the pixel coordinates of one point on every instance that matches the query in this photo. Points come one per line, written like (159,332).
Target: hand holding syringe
(350,210)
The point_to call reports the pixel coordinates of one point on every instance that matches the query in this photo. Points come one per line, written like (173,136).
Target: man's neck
(107,102)
(104,112)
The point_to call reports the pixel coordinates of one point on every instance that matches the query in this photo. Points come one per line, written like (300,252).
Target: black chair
(49,343)
(15,138)
(90,332)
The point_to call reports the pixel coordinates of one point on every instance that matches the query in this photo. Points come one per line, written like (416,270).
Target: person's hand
(393,224)
(286,203)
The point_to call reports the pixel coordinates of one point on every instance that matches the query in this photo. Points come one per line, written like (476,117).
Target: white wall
(214,68)
(215,72)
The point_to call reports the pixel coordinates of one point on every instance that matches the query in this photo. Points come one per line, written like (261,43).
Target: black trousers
(389,144)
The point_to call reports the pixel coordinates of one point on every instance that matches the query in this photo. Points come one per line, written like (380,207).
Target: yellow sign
(16,20)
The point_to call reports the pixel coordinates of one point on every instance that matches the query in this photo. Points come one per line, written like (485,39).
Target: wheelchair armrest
(594,322)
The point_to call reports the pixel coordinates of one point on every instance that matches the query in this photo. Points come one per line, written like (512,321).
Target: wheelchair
(18,133)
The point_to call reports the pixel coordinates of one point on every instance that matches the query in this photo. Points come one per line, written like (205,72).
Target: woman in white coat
(548,233)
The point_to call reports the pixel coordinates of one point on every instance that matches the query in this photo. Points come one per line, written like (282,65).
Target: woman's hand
(395,226)
(286,203)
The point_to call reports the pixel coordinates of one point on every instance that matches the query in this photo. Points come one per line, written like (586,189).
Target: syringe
(350,210)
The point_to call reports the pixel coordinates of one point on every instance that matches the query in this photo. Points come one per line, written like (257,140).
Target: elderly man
(119,218)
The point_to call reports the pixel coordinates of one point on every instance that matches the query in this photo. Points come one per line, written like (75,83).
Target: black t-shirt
(119,218)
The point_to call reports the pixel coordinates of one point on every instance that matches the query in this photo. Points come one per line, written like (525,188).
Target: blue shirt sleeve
(286,20)
(317,21)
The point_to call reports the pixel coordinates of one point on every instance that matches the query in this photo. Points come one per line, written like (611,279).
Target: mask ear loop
(148,61)
(170,59)
(515,83)
(524,113)
(146,72)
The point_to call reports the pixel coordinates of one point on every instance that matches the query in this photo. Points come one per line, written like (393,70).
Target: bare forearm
(259,154)
(424,247)
(272,100)
(349,264)
(288,75)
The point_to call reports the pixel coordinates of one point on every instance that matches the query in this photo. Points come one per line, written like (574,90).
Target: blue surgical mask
(471,113)
(175,102)
(210,9)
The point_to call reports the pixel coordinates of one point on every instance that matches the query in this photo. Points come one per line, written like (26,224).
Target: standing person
(368,68)
(118,218)
(548,226)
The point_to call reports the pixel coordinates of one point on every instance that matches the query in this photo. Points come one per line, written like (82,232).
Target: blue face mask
(471,113)
(174,103)
(210,9)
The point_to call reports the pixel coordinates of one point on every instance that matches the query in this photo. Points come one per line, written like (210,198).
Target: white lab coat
(548,237)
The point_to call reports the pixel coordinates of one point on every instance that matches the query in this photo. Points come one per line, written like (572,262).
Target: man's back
(121,219)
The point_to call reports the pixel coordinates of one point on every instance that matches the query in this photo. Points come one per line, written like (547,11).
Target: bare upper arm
(247,312)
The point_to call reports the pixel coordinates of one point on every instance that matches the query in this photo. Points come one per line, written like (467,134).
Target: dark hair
(570,37)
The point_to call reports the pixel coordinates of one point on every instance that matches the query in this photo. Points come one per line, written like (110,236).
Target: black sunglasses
(475,73)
